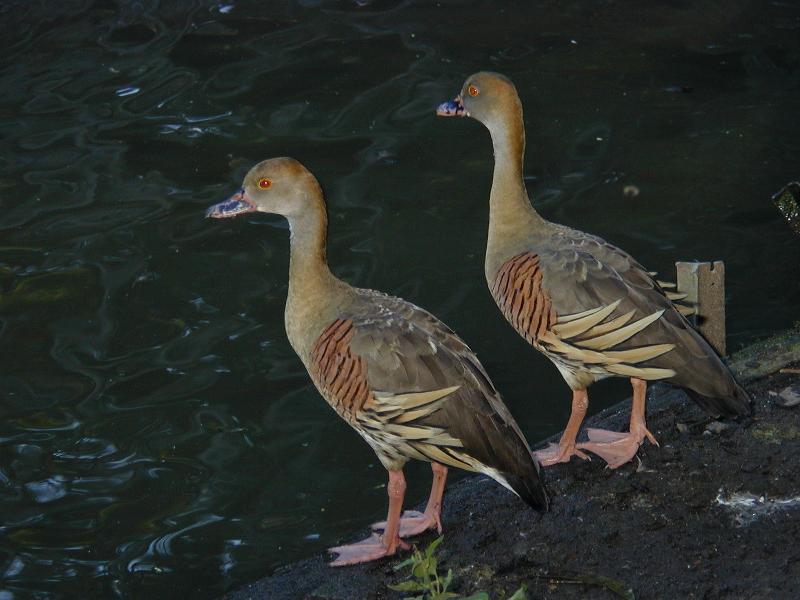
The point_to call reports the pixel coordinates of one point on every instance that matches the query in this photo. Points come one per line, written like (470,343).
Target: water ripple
(159,436)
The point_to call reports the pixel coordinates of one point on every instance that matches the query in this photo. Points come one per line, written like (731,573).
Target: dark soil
(655,528)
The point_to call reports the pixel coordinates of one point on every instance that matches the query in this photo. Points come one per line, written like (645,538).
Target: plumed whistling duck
(399,376)
(586,305)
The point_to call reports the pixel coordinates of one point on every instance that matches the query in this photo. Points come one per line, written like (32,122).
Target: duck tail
(532,492)
(735,404)
(530,489)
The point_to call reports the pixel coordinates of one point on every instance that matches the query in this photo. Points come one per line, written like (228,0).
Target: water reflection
(159,435)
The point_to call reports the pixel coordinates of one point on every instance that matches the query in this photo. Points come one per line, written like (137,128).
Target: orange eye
(473,91)
(265,184)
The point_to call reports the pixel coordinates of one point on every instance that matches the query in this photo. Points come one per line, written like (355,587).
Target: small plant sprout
(424,578)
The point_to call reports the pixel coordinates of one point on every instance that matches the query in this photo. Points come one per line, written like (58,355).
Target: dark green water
(159,437)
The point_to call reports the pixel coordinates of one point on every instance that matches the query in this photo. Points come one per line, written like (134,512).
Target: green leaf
(520,594)
(443,596)
(422,570)
(407,586)
(478,596)
(448,579)
(615,586)
(405,563)
(619,588)
(433,545)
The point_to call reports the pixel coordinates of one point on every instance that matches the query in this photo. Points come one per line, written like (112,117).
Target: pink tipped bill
(235,205)
(452,108)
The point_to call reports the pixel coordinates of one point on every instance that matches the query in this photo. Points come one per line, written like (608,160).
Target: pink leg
(414,522)
(566,448)
(376,546)
(619,448)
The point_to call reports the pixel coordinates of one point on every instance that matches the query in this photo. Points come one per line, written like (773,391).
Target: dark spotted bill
(518,291)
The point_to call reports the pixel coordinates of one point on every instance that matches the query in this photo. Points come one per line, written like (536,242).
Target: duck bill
(235,205)
(452,108)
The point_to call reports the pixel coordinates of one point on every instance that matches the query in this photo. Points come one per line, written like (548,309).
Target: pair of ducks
(414,390)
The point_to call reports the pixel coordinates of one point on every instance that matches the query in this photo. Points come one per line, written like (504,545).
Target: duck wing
(413,389)
(605,302)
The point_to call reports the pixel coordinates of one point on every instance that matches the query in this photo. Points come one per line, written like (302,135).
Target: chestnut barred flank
(518,292)
(341,375)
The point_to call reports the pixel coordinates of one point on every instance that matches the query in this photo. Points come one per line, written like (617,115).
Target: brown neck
(510,209)
(309,276)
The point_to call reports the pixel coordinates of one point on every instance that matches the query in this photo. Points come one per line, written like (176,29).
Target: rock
(789,397)
(788,202)
(630,191)
(717,427)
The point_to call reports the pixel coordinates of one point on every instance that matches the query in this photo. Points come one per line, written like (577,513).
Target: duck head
(280,186)
(486,96)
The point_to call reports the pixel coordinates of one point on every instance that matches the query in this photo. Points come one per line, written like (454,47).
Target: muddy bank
(708,514)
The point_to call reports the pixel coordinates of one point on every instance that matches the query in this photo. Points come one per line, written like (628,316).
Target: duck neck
(309,276)
(510,209)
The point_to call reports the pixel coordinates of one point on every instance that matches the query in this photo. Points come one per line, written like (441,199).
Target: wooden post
(704,284)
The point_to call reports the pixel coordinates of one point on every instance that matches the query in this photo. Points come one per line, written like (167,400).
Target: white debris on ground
(748,508)
(789,397)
